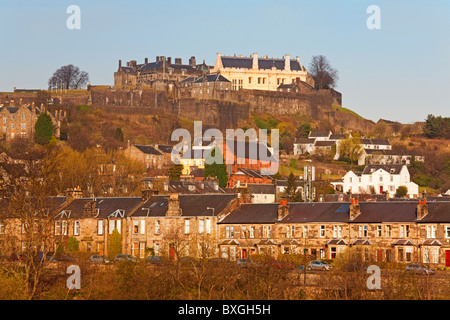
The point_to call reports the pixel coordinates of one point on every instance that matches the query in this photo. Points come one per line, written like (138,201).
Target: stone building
(19,121)
(403,232)
(211,86)
(261,73)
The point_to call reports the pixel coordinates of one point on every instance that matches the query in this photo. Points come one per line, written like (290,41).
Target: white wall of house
(381,181)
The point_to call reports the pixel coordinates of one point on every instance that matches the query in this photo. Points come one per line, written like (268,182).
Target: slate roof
(147,149)
(251,146)
(262,188)
(391,168)
(191,205)
(335,136)
(252,173)
(164,148)
(253,213)
(437,212)
(304,141)
(324,143)
(263,63)
(375,141)
(317,212)
(212,78)
(105,206)
(317,134)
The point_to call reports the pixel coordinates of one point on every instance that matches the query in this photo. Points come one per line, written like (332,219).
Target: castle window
(249,79)
(259,80)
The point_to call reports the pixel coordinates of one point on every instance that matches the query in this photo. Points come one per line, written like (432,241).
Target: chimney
(174,209)
(355,210)
(146,60)
(177,60)
(120,63)
(169,60)
(287,62)
(283,209)
(73,193)
(89,209)
(192,61)
(157,58)
(148,193)
(255,61)
(422,209)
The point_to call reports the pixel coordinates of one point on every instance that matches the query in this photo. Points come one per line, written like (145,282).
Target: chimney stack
(89,209)
(178,61)
(355,209)
(255,61)
(120,63)
(174,209)
(74,193)
(146,60)
(192,61)
(169,60)
(287,62)
(148,193)
(422,209)
(283,209)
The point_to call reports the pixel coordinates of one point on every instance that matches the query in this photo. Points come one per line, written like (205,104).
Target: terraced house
(231,227)
(405,231)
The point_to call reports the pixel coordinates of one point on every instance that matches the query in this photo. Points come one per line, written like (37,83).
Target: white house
(378,179)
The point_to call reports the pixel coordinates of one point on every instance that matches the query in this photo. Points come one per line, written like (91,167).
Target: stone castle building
(261,73)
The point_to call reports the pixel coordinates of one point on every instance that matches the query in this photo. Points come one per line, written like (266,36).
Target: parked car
(318,265)
(418,269)
(124,257)
(246,262)
(15,257)
(48,257)
(154,260)
(188,260)
(69,258)
(95,258)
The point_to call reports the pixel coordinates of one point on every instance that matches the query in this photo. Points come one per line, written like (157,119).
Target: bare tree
(68,77)
(325,76)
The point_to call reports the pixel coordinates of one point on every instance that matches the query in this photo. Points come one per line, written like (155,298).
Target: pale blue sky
(400,72)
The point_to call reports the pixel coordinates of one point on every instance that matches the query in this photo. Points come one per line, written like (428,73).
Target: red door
(381,189)
(244,253)
(447,258)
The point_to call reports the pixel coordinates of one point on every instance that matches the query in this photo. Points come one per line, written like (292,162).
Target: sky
(399,72)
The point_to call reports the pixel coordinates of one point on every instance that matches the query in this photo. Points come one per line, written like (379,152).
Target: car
(318,265)
(124,257)
(95,258)
(245,262)
(15,257)
(69,258)
(188,260)
(49,257)
(418,269)
(154,260)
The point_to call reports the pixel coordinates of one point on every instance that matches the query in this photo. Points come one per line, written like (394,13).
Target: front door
(381,189)
(244,253)
(447,258)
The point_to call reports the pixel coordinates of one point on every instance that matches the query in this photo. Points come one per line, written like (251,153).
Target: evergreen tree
(290,192)
(175,171)
(43,129)
(217,170)
(115,244)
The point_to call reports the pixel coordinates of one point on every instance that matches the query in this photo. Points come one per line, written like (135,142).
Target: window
(186,226)
(431,231)
(157,226)
(266,231)
(249,80)
(447,231)
(57,228)
(388,230)
(305,232)
(243,232)
(201,226)
(252,232)
(288,231)
(135,226)
(208,226)
(378,233)
(363,231)
(292,231)
(337,231)
(259,80)
(142,226)
(2,227)
(322,231)
(142,250)
(76,228)
(100,227)
(64,227)
(404,231)
(115,224)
